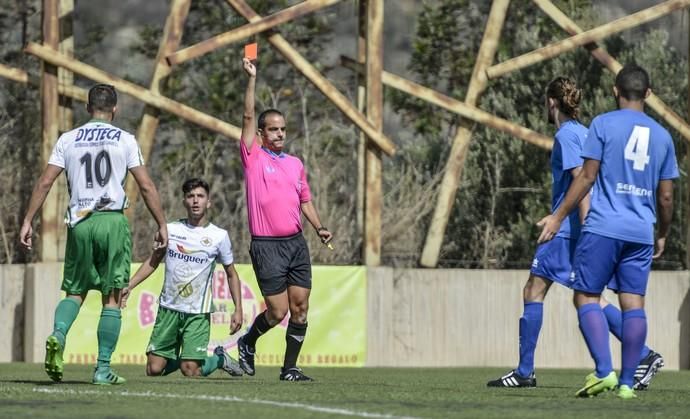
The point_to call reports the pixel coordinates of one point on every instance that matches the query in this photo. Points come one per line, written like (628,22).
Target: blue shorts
(553,260)
(600,260)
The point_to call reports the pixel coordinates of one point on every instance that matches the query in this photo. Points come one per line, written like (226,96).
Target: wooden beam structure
(373,198)
(302,65)
(57,91)
(250,29)
(74,92)
(172,35)
(458,107)
(15,74)
(593,35)
(458,152)
(21,76)
(654,102)
(50,211)
(183,111)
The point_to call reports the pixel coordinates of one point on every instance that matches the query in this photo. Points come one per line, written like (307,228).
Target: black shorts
(280,262)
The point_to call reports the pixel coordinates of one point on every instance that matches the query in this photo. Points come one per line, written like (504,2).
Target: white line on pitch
(321,409)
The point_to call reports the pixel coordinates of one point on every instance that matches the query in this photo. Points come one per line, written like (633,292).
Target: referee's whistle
(328,244)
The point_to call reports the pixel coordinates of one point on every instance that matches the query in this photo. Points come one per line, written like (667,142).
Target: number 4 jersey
(635,154)
(96,158)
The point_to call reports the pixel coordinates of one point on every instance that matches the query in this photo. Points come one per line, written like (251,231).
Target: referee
(277,195)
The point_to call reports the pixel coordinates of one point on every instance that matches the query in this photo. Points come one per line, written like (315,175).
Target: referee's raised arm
(249,117)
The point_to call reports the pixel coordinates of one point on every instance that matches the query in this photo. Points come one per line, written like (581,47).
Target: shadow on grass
(43,403)
(528,389)
(45,383)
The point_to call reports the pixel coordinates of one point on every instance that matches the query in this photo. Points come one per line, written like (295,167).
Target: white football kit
(96,158)
(190,260)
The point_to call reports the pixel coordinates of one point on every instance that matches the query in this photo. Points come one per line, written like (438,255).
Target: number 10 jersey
(96,158)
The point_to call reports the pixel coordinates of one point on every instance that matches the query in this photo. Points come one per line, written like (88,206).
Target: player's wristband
(322,228)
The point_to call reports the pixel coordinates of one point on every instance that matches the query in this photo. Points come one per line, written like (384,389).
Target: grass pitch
(26,391)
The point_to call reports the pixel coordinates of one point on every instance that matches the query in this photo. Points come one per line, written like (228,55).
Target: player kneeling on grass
(181,333)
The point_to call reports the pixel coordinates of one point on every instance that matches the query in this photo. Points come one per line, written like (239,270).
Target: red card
(251,51)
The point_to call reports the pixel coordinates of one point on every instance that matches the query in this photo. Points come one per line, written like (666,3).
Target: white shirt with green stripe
(189,264)
(96,158)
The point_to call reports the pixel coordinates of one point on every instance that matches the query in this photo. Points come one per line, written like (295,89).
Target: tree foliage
(19,133)
(505,186)
(215,83)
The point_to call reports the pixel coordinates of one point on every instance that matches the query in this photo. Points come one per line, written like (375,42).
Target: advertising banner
(337,320)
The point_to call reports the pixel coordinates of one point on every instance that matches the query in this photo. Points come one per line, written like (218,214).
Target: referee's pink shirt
(276,187)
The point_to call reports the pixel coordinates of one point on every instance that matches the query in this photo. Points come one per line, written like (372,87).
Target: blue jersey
(635,154)
(567,148)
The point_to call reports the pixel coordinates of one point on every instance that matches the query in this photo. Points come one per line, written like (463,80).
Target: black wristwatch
(322,228)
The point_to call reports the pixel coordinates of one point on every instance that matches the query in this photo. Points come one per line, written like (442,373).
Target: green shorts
(175,330)
(98,254)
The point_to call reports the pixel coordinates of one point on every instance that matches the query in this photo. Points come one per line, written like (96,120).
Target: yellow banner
(337,320)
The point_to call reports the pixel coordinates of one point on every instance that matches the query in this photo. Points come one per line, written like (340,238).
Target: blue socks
(634,335)
(530,326)
(629,327)
(615,319)
(596,333)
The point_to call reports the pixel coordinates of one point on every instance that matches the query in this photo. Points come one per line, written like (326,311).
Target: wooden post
(172,35)
(136,91)
(458,153)
(361,107)
(243,32)
(373,198)
(66,117)
(50,212)
(317,79)
(596,34)
(654,102)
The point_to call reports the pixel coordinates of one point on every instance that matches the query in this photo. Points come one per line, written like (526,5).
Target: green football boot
(626,393)
(595,385)
(106,377)
(53,363)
